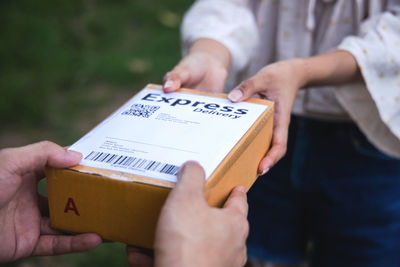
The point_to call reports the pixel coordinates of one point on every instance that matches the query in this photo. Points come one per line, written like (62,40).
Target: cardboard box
(124,207)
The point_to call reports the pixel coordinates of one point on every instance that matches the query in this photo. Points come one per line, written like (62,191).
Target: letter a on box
(71,206)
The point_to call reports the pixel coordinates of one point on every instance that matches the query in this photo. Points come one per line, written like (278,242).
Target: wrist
(301,71)
(213,50)
(336,67)
(296,70)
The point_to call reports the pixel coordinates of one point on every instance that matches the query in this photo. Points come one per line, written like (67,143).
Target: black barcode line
(132,162)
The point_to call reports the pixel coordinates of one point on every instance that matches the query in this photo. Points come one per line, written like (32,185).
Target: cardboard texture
(85,199)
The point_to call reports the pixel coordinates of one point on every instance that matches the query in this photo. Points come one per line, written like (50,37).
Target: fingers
(191,181)
(43,204)
(138,257)
(214,83)
(58,157)
(174,79)
(34,157)
(244,256)
(237,201)
(243,91)
(45,228)
(278,149)
(238,208)
(60,244)
(273,156)
(200,70)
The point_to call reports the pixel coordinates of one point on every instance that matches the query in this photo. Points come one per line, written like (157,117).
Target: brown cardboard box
(87,199)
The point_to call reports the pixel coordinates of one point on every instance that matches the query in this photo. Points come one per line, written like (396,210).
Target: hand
(190,233)
(205,68)
(23,230)
(280,81)
(277,82)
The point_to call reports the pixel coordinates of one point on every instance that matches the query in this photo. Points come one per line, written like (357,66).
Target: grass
(65,65)
(64,62)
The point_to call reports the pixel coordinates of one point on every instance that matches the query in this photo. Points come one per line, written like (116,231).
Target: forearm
(214,49)
(328,69)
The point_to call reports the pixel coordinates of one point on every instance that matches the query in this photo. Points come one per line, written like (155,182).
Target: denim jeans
(333,194)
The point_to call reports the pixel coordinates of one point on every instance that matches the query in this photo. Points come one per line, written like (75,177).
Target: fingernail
(235,95)
(181,171)
(169,84)
(265,171)
(74,154)
(241,189)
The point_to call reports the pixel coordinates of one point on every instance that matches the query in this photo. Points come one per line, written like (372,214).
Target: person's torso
(303,28)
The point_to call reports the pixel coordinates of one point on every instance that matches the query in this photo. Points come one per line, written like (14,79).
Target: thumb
(139,257)
(34,157)
(243,91)
(237,201)
(174,79)
(191,181)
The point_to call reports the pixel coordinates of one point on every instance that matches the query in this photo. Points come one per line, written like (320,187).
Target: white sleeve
(230,22)
(375,106)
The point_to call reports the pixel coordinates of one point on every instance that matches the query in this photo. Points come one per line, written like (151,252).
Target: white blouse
(259,32)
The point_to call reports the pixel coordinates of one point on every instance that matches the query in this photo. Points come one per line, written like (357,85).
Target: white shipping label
(154,133)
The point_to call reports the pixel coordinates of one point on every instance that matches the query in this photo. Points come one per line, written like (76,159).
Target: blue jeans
(332,188)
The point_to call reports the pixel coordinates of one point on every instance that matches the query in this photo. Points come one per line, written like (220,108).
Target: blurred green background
(65,65)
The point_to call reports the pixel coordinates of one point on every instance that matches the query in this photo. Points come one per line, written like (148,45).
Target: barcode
(132,162)
(140,110)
